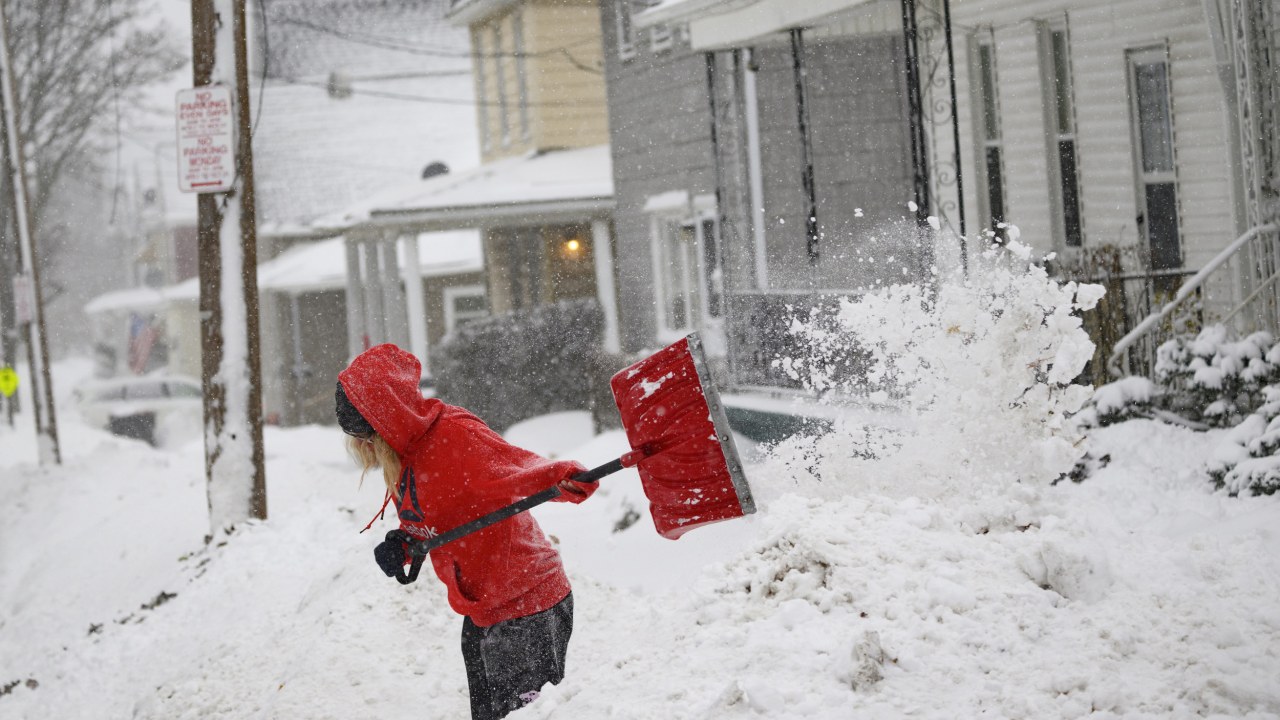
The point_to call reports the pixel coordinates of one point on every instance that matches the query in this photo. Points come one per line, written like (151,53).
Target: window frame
(699,276)
(482,89)
(522,72)
(626,29)
(451,294)
(500,85)
(985,91)
(1061,133)
(661,38)
(1145,179)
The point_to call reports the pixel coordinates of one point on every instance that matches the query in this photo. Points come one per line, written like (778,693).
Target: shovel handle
(420,549)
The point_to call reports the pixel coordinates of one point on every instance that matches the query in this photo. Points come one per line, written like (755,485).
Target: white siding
(1100,32)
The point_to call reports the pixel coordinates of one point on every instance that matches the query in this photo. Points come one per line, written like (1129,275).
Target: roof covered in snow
(323,265)
(311,267)
(464,12)
(536,185)
(718,24)
(129,300)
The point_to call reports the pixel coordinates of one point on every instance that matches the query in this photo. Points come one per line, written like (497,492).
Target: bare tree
(79,66)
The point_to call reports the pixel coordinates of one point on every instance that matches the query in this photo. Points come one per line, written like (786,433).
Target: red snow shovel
(680,444)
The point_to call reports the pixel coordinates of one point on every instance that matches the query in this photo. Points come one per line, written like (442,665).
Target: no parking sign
(206,149)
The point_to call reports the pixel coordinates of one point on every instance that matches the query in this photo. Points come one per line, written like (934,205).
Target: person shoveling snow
(443,466)
(461,491)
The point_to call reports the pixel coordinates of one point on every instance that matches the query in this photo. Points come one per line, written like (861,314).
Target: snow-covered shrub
(1117,401)
(1248,458)
(979,369)
(531,362)
(1215,379)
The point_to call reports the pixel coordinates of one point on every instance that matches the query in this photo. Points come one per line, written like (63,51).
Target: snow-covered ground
(1138,593)
(925,568)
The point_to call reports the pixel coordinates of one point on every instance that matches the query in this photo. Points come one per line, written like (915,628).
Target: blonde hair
(373,452)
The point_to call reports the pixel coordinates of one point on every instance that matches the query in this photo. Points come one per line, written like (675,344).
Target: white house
(1147,126)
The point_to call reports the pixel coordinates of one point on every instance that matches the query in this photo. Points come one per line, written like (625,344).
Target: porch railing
(1248,267)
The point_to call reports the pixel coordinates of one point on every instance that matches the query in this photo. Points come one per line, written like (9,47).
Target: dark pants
(508,663)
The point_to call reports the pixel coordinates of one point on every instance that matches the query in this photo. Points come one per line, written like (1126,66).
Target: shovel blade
(671,411)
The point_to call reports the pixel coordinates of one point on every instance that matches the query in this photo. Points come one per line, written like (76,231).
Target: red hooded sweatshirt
(455,470)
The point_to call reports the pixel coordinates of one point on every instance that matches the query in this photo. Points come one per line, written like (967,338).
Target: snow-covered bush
(1215,379)
(1117,401)
(978,369)
(514,366)
(1248,459)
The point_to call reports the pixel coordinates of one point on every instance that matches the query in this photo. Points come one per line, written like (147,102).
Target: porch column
(415,300)
(356,335)
(374,313)
(602,250)
(298,370)
(395,317)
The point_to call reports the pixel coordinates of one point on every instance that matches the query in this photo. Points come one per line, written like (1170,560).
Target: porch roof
(465,12)
(323,265)
(723,24)
(551,186)
(317,266)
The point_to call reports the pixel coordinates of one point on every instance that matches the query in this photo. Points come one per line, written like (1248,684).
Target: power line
(389,43)
(438,100)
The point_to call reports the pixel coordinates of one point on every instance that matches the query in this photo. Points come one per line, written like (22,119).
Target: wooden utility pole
(231,367)
(34,331)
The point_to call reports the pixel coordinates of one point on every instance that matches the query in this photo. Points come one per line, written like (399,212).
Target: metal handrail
(1190,286)
(1275,277)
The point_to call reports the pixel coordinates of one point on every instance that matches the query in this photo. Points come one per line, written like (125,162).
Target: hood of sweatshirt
(382,383)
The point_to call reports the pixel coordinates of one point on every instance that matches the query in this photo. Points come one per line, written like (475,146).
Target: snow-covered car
(139,406)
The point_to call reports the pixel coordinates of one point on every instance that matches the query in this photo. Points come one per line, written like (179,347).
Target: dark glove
(390,553)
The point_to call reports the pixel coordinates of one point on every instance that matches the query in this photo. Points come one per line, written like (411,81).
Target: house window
(482,91)
(992,200)
(626,31)
(463,304)
(500,81)
(522,72)
(686,272)
(1152,120)
(1063,157)
(661,38)
(678,287)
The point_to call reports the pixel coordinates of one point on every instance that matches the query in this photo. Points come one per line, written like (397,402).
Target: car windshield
(144,391)
(108,394)
(183,390)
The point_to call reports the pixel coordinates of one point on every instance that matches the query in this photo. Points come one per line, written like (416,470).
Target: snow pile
(1119,597)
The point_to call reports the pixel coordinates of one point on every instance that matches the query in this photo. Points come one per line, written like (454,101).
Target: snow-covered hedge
(1121,400)
(514,366)
(1211,380)
(1248,459)
(1215,379)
